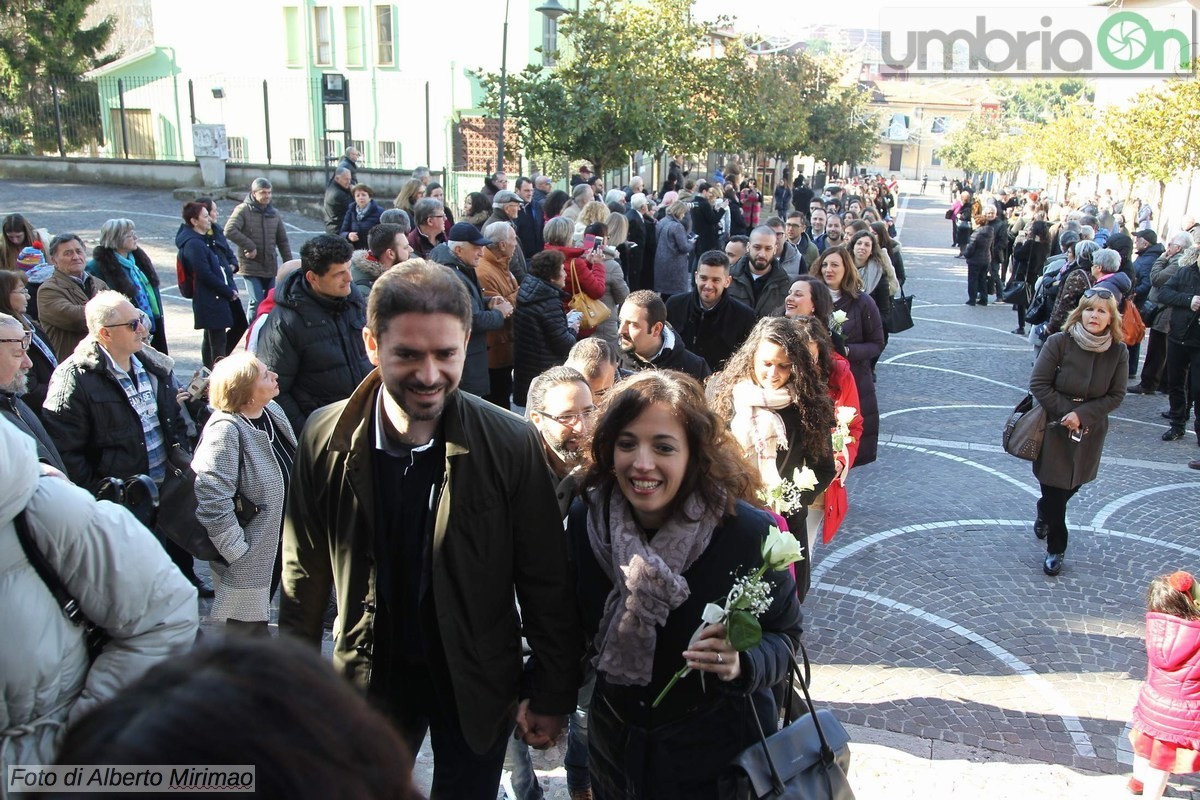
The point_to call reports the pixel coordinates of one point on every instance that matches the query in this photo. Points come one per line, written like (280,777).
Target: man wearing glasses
(111,408)
(14,372)
(430,218)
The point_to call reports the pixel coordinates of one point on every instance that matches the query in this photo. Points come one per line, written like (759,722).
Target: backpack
(1132,326)
(185,279)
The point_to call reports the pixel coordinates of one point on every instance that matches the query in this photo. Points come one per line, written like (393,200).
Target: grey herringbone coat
(244,586)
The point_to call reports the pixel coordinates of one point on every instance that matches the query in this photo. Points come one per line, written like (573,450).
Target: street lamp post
(552,10)
(503,89)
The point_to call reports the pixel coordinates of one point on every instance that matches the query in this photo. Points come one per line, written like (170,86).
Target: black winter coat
(541,338)
(93,424)
(39,373)
(1177,294)
(475,378)
(335,203)
(706,224)
(213,282)
(315,346)
(979,247)
(713,334)
(691,737)
(351,223)
(676,357)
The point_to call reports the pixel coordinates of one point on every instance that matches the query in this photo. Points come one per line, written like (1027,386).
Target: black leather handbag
(900,319)
(806,760)
(1018,293)
(177,518)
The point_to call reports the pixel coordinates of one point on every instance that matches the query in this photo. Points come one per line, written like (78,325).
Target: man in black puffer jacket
(710,322)
(313,337)
(648,342)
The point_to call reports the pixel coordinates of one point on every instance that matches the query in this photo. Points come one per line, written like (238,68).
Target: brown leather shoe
(1194,463)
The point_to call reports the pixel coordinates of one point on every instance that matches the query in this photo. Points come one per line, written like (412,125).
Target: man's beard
(559,448)
(419,413)
(19,385)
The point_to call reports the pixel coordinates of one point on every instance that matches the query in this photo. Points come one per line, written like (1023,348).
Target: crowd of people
(687,369)
(1044,258)
(685,376)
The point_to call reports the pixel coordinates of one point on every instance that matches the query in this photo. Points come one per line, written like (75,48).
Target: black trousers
(424,707)
(1154,367)
(1053,510)
(977,278)
(1183,375)
(220,342)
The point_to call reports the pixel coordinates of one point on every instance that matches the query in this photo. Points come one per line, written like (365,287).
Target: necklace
(270,425)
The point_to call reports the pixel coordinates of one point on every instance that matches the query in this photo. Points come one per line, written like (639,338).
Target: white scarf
(758,428)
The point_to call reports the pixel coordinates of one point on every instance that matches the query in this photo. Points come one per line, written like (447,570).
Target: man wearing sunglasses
(111,407)
(14,371)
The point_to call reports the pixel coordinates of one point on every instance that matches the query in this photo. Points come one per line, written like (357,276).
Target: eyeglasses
(24,341)
(22,290)
(133,324)
(1103,294)
(570,420)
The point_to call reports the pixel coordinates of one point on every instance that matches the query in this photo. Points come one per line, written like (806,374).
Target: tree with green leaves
(773,102)
(1039,100)
(603,100)
(45,49)
(842,128)
(984,142)
(1068,145)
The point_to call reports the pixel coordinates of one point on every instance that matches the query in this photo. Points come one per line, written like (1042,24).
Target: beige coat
(60,310)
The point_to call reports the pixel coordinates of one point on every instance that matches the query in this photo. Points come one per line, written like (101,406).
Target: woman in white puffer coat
(115,570)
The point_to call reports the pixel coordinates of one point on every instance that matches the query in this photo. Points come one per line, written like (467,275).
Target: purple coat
(1168,707)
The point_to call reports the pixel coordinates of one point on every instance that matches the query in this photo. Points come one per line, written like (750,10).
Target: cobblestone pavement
(930,615)
(958,666)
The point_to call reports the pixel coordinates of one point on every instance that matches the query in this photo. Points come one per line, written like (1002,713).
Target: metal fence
(151,117)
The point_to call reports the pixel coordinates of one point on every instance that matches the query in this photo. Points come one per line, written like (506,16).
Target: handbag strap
(575,278)
(49,577)
(794,674)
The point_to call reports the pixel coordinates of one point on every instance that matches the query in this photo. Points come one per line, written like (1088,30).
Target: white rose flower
(846,415)
(804,478)
(780,549)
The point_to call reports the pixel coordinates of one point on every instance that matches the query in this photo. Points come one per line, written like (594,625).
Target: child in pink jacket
(1166,718)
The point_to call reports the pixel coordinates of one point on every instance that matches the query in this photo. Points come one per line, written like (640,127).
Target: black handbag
(178,506)
(806,760)
(1039,310)
(1017,292)
(900,319)
(94,636)
(1150,312)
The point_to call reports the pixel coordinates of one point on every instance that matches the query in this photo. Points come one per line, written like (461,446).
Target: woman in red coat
(584,268)
(1166,719)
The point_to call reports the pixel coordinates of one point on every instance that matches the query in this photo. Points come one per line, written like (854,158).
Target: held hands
(251,254)
(712,652)
(498,303)
(1196,302)
(840,468)
(352,236)
(539,731)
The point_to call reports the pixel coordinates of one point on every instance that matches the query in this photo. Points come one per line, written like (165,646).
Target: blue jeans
(258,290)
(524,780)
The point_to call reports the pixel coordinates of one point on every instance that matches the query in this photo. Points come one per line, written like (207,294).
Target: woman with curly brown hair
(781,416)
(665,527)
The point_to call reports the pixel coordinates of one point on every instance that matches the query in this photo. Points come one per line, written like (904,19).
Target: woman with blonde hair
(592,213)
(1078,379)
(121,263)
(243,462)
(409,194)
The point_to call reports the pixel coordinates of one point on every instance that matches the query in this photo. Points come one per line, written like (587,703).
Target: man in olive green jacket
(431,513)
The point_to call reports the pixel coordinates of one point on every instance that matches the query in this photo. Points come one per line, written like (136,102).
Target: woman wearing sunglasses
(1079,379)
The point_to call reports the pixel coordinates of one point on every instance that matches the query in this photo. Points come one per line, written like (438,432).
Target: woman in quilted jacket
(1165,729)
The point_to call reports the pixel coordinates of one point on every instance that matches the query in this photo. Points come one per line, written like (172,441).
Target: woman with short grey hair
(243,462)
